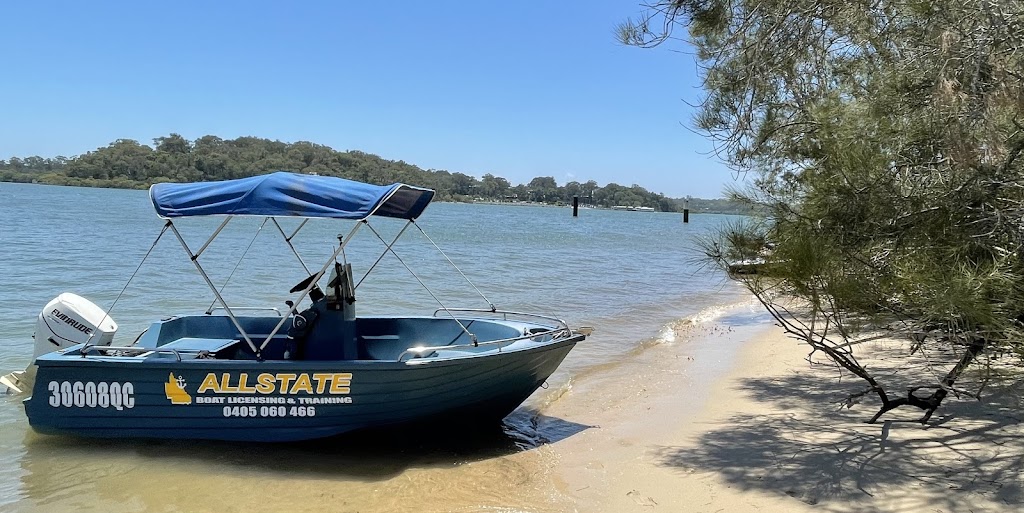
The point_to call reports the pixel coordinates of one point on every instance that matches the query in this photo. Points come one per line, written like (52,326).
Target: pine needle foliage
(883,143)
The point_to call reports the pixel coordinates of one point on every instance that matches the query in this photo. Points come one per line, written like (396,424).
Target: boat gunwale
(71,357)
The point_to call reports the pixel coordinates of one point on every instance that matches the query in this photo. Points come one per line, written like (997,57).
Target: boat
(746,266)
(280,375)
(632,208)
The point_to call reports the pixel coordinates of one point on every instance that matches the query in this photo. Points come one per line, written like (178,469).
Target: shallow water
(631,275)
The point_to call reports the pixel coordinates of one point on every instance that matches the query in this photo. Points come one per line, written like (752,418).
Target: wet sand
(767,435)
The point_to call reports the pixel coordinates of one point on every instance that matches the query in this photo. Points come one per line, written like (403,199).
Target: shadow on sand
(971,458)
(366,456)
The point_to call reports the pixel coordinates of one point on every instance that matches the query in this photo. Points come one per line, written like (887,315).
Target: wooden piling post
(575,206)
(686,210)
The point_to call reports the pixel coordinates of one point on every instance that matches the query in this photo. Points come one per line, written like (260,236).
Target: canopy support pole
(288,240)
(106,314)
(214,236)
(424,285)
(235,268)
(312,283)
(445,255)
(382,255)
(195,261)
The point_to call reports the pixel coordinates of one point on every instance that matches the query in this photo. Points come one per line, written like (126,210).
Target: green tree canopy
(493,186)
(543,188)
(884,140)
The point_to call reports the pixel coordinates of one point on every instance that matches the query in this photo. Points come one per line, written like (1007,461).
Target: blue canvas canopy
(289,194)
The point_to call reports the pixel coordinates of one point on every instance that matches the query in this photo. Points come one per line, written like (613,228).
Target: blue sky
(515,89)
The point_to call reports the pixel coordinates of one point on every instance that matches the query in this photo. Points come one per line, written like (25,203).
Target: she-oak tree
(883,141)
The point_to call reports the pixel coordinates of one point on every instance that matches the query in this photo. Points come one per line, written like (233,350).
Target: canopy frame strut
(382,255)
(106,313)
(235,268)
(288,240)
(195,261)
(342,242)
(445,255)
(424,285)
(312,283)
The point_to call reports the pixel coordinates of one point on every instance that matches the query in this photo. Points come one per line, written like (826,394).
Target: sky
(520,89)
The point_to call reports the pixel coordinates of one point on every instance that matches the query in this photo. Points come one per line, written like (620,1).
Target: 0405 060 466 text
(269,411)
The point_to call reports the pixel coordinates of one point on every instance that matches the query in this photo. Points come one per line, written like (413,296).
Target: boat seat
(331,337)
(380,347)
(190,344)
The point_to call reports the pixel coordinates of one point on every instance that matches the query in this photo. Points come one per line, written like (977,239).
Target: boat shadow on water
(370,455)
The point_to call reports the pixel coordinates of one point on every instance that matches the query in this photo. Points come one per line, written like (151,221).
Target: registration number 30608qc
(89,394)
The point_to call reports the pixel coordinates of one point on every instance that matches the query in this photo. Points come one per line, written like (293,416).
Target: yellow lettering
(225,387)
(302,385)
(209,383)
(265,383)
(285,380)
(341,382)
(321,381)
(283,383)
(242,387)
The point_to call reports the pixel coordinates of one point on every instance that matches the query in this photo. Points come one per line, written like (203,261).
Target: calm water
(629,274)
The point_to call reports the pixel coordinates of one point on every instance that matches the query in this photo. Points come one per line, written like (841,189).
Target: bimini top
(289,194)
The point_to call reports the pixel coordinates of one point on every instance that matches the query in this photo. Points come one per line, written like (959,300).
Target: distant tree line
(126,163)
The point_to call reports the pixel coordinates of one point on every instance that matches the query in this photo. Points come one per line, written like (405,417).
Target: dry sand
(769,436)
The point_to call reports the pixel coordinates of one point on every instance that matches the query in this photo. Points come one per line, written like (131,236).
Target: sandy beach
(768,435)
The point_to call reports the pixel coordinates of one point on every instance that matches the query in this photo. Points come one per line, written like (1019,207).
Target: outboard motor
(71,319)
(67,320)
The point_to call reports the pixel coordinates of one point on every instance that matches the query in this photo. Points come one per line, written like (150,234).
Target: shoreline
(735,419)
(625,463)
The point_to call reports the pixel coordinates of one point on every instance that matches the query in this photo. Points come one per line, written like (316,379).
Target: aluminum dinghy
(299,374)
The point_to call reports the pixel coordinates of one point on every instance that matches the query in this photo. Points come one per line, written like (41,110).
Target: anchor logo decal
(175,390)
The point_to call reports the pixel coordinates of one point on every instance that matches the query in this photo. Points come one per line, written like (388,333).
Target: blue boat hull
(279,400)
